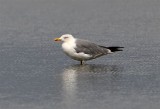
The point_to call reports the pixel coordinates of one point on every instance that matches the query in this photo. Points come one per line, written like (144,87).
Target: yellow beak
(57,39)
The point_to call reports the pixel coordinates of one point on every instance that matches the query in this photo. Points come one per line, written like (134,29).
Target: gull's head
(65,38)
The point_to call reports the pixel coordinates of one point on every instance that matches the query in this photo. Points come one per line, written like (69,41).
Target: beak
(57,39)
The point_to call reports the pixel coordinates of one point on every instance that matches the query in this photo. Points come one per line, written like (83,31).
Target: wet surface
(35,74)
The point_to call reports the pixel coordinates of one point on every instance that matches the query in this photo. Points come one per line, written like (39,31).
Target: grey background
(35,74)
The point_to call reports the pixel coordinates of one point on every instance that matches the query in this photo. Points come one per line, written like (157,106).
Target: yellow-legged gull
(83,50)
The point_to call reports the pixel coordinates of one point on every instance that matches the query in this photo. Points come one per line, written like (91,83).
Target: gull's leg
(81,62)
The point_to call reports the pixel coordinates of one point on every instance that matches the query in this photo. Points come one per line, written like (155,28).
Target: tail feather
(113,48)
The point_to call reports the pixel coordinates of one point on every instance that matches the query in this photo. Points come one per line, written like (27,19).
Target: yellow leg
(82,62)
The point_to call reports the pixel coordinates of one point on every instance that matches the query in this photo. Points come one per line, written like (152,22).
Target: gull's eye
(65,37)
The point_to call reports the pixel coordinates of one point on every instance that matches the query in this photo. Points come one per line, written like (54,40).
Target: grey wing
(90,48)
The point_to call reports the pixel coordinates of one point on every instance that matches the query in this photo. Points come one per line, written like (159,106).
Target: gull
(84,50)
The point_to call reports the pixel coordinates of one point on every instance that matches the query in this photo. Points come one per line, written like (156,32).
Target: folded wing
(90,48)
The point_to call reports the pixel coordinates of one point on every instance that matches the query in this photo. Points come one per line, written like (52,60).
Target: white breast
(68,48)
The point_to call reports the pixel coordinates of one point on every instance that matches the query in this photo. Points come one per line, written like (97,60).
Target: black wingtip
(115,48)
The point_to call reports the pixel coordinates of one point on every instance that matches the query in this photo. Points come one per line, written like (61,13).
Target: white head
(65,37)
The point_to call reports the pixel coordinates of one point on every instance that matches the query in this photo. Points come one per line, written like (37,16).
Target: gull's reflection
(69,87)
(92,68)
(69,82)
(72,74)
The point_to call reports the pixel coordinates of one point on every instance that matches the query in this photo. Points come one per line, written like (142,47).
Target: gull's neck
(72,40)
